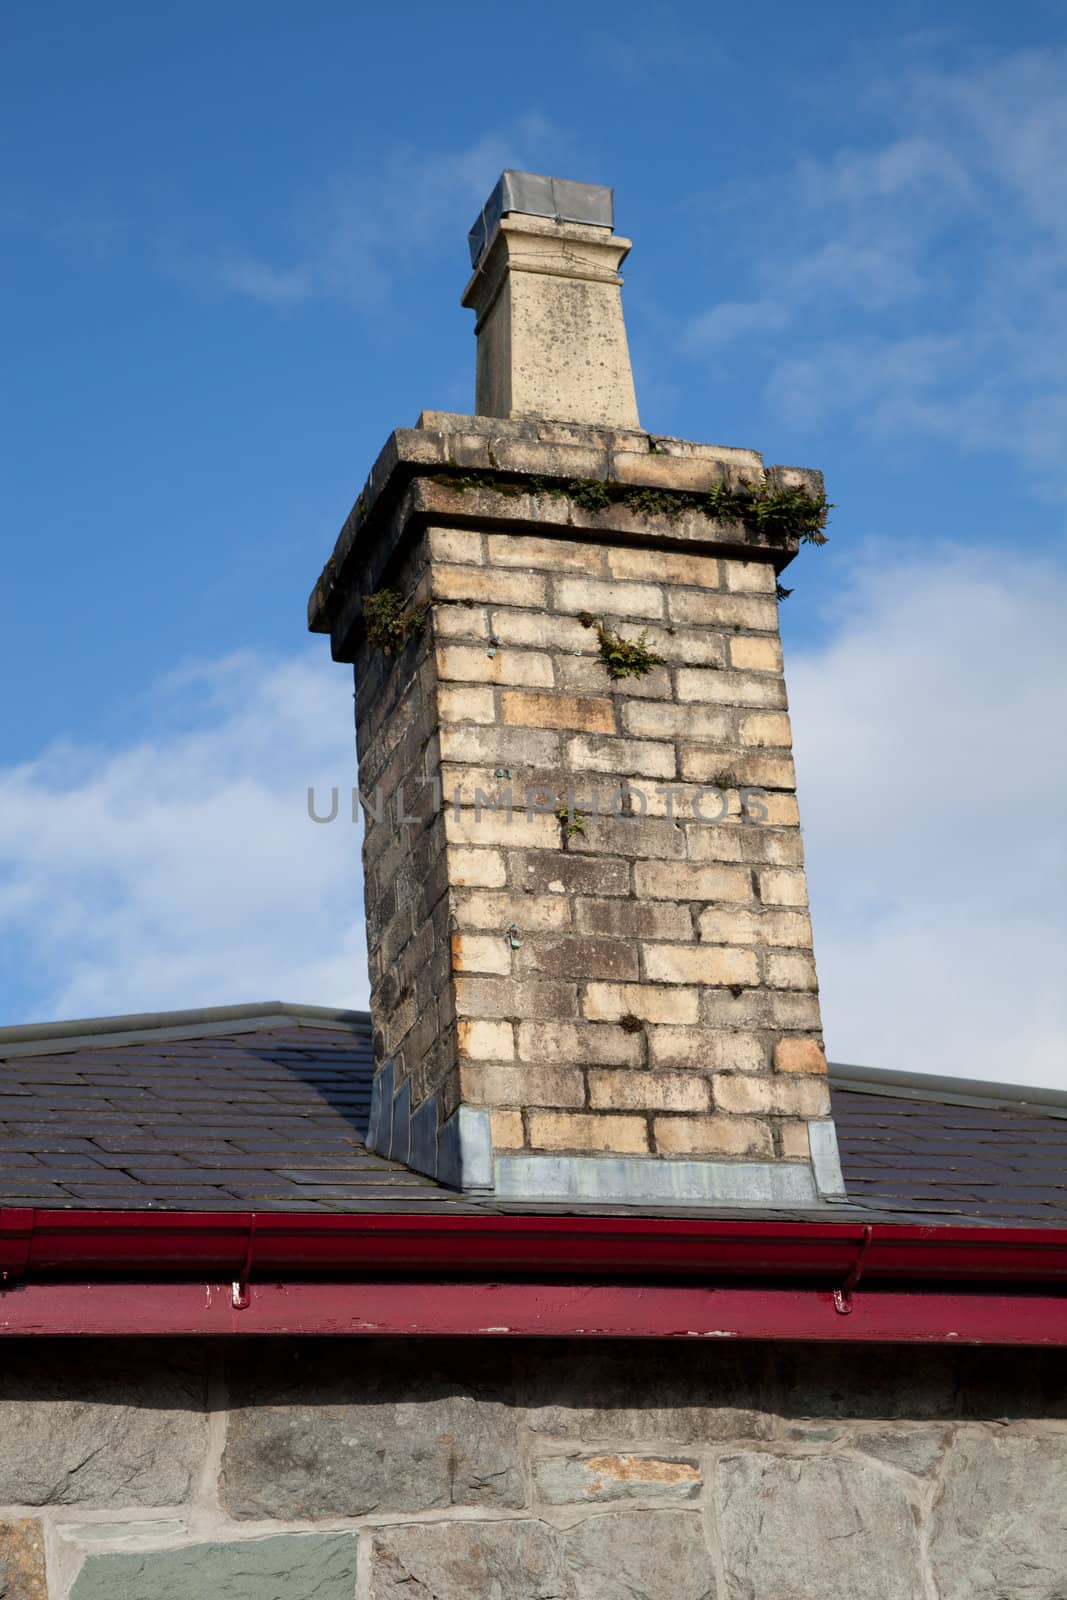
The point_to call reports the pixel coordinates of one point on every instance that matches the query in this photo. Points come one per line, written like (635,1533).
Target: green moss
(390,624)
(626,658)
(572,822)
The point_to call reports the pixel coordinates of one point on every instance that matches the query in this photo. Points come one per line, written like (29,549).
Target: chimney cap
(538,196)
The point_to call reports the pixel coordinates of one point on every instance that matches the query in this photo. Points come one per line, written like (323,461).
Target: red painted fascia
(186,1272)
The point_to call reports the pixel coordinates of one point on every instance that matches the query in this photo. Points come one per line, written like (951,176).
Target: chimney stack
(591,965)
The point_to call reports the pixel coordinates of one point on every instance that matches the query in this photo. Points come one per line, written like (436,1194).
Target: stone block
(729,688)
(460,622)
(482,1084)
(654,1555)
(466,704)
(767,730)
(790,969)
(473,664)
(706,1051)
(656,880)
(792,1097)
(469,868)
(543,913)
(624,758)
(649,837)
(485,1041)
(752,653)
(612,1393)
(748,577)
(462,545)
(648,1091)
(580,1043)
(633,919)
(315,1433)
(487,584)
(554,555)
(537,831)
(605,599)
(558,872)
(500,746)
(664,566)
(531,710)
(608,1002)
(915,1450)
(649,719)
(713,1136)
(124,1424)
(588,1131)
(287,1566)
(540,631)
(701,964)
(783,888)
(721,610)
(578,1479)
(581,957)
(799,1055)
(481,952)
(22,1569)
(998,1526)
(796,1527)
(507,1560)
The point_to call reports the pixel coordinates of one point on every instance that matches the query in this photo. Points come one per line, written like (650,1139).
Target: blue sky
(233,249)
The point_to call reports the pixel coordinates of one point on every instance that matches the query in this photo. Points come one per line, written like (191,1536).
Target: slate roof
(265,1108)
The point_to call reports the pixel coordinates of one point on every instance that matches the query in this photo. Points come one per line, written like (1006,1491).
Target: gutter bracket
(240,1288)
(842,1296)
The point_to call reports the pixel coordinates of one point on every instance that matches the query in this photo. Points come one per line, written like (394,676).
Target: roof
(265,1108)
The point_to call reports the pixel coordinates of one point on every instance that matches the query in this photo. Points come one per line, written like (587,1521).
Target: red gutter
(208,1272)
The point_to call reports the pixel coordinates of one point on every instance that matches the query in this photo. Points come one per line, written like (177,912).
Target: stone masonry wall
(642,982)
(421,1470)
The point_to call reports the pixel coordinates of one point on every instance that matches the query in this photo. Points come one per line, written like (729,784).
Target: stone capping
(447,443)
(459,1153)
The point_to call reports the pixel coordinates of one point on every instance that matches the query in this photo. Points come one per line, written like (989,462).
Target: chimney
(590,952)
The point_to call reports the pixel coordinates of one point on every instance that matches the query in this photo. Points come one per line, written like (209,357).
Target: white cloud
(923,282)
(932,789)
(358,227)
(183,870)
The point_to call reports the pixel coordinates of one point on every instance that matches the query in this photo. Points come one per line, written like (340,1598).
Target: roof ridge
(38,1038)
(929,1086)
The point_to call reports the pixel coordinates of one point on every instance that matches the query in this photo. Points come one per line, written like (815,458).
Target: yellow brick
(654,719)
(476,869)
(614,599)
(751,1092)
(707,1136)
(718,610)
(579,1043)
(456,544)
(557,555)
(768,729)
(707,686)
(539,913)
(555,1131)
(776,928)
(755,655)
(494,1085)
(704,964)
(782,810)
(679,880)
(466,705)
(631,758)
(664,566)
(607,1002)
(489,584)
(537,832)
(790,969)
(584,712)
(799,1055)
(485,1041)
(782,887)
(480,952)
(506,1130)
(706,1050)
(796,1146)
(460,622)
(648,1091)
(755,577)
(474,664)
(539,631)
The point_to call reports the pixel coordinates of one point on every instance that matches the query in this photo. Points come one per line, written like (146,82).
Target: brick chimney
(590,952)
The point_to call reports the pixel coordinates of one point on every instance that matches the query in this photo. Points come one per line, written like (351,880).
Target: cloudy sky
(234,243)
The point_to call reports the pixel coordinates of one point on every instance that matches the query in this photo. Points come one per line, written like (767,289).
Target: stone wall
(420,1470)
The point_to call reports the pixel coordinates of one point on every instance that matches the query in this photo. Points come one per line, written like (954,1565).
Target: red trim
(518,1310)
(170,1272)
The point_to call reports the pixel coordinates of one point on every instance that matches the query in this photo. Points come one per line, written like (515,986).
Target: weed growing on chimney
(630,1024)
(390,624)
(781,592)
(571,822)
(626,658)
(724,780)
(590,494)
